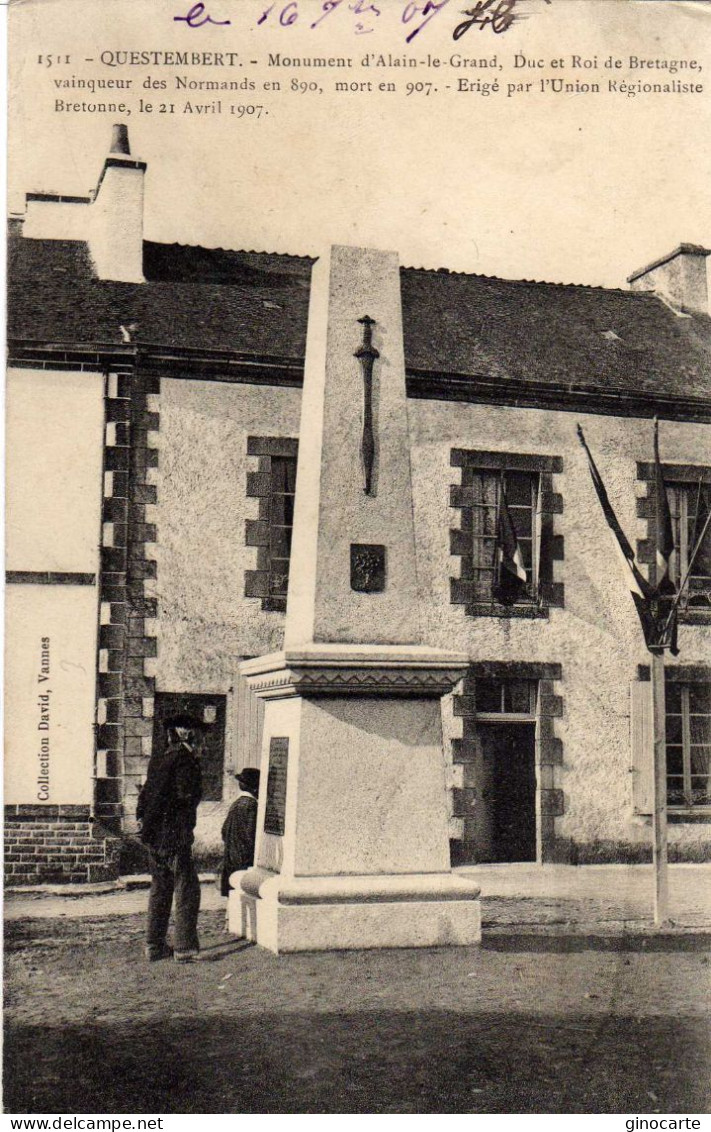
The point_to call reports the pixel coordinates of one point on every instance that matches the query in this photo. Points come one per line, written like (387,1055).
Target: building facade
(153,427)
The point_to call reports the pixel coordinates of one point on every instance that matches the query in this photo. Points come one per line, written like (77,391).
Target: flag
(510,571)
(665,606)
(643,594)
(665,531)
(639,586)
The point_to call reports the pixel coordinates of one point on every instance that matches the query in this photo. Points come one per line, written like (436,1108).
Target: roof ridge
(523,282)
(19,239)
(231,251)
(310,259)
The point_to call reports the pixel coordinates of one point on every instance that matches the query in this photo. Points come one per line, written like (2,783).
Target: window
(505,697)
(527,483)
(281,522)
(690,505)
(273,483)
(689,494)
(521,492)
(688,733)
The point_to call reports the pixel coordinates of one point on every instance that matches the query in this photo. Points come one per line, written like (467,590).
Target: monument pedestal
(352,828)
(353,845)
(350,913)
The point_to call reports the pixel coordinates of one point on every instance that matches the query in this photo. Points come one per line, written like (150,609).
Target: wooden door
(505,825)
(211,710)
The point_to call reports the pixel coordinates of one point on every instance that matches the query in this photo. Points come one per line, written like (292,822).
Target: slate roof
(256,303)
(239,301)
(551,333)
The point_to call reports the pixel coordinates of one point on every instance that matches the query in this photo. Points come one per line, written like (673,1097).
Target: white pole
(659,857)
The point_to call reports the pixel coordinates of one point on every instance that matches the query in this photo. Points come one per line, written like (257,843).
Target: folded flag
(666,604)
(652,603)
(511,579)
(638,584)
(665,530)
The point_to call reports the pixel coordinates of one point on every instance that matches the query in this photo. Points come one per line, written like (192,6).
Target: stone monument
(352,835)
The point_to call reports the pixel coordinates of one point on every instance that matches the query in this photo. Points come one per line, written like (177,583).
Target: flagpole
(659,816)
(659,852)
(650,599)
(659,733)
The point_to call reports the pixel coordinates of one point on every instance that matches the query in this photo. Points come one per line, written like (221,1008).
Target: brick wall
(57,845)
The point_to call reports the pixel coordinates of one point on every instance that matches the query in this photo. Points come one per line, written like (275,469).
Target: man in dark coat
(240,827)
(167,811)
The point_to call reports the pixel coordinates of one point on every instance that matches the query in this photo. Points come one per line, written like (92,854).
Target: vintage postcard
(358,572)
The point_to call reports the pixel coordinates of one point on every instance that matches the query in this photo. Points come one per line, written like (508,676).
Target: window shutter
(257,716)
(250,722)
(484,520)
(537,541)
(641,729)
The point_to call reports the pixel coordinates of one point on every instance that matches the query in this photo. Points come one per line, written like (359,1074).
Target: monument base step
(326,914)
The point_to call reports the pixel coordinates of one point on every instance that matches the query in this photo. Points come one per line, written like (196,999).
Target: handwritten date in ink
(197,17)
(289,13)
(423,13)
(415,14)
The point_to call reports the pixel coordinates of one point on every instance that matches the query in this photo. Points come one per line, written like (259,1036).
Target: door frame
(523,718)
(533,716)
(550,744)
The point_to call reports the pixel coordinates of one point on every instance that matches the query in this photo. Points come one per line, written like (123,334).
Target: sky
(566,187)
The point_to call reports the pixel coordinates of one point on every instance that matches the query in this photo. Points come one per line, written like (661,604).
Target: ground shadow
(566,944)
(360,1062)
(216,951)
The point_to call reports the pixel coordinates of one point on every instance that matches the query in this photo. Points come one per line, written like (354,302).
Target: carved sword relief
(366,355)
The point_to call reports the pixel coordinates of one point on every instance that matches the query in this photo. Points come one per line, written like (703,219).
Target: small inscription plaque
(367,568)
(276,786)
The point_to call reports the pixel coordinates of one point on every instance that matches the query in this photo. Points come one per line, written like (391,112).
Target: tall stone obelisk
(352,842)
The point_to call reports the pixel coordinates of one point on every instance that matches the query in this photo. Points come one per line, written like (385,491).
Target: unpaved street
(527,1023)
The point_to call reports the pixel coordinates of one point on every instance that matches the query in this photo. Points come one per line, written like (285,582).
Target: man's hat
(184,720)
(249,779)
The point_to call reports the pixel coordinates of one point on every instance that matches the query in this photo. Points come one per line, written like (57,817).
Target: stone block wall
(177,554)
(587,812)
(140,643)
(127,637)
(207,518)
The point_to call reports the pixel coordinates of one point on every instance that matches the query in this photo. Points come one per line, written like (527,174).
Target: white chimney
(116,229)
(680,277)
(110,221)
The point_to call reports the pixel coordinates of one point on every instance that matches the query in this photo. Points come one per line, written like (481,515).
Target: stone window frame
(551,547)
(681,474)
(491,713)
(549,748)
(683,674)
(257,583)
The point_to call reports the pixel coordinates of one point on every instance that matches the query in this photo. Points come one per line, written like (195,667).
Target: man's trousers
(173,876)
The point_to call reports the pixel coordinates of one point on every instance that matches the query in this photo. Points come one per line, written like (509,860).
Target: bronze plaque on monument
(275,811)
(367,568)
